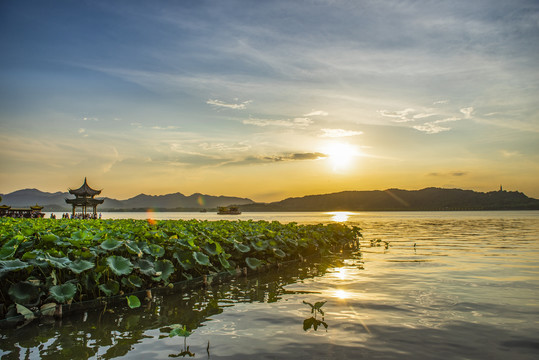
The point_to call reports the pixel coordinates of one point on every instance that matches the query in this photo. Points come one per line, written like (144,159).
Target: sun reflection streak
(340,216)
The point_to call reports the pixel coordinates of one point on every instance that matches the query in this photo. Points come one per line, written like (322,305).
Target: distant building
(84,198)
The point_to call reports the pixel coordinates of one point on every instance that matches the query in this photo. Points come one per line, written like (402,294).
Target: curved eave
(85,201)
(85,189)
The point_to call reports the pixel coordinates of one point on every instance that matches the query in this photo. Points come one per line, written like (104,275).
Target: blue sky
(269,99)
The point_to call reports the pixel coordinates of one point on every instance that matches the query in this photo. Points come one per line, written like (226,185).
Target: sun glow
(341,155)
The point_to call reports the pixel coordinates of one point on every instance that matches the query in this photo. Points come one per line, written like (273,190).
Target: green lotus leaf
(259,245)
(24,293)
(119,265)
(133,248)
(201,259)
(253,263)
(110,244)
(111,287)
(179,330)
(224,261)
(133,301)
(63,293)
(12,265)
(213,248)
(9,249)
(155,250)
(24,311)
(163,268)
(184,259)
(241,247)
(279,253)
(79,266)
(57,262)
(50,238)
(134,280)
(146,267)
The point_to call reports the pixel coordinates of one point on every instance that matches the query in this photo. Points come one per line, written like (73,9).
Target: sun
(341,155)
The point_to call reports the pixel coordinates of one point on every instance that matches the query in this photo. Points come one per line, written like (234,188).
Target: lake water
(427,285)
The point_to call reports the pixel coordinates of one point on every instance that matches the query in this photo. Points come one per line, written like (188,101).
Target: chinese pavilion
(84,197)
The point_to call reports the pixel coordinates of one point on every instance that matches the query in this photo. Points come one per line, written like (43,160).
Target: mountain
(176,201)
(398,200)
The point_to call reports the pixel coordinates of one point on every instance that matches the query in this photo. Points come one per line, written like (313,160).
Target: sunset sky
(269,99)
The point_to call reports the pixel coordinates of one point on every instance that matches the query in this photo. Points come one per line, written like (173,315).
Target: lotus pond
(46,264)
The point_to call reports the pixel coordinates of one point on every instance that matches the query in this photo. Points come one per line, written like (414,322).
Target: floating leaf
(201,259)
(241,247)
(133,301)
(79,266)
(119,265)
(163,268)
(24,293)
(111,287)
(63,293)
(110,244)
(253,263)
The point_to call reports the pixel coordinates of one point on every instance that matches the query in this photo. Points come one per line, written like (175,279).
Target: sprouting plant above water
(379,242)
(181,330)
(313,322)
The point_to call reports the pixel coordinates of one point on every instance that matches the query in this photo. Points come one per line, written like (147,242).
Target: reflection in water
(339,216)
(111,333)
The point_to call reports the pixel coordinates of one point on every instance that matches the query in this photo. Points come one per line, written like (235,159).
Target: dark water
(468,289)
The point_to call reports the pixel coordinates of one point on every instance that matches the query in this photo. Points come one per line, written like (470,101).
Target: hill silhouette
(430,199)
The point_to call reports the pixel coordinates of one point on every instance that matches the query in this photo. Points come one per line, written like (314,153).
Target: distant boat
(230,210)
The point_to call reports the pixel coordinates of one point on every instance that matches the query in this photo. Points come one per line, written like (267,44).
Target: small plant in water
(181,330)
(313,322)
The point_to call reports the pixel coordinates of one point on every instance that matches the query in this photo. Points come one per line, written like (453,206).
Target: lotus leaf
(259,245)
(213,248)
(24,293)
(146,267)
(133,248)
(201,259)
(134,280)
(184,259)
(279,253)
(12,265)
(49,238)
(119,265)
(48,309)
(241,247)
(79,266)
(163,268)
(224,261)
(24,311)
(9,249)
(133,301)
(110,244)
(155,250)
(57,262)
(179,330)
(63,293)
(111,287)
(253,263)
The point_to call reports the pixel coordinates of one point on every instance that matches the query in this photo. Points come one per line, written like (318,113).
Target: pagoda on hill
(84,197)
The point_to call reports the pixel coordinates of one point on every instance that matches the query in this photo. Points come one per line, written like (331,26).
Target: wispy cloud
(90,119)
(433,127)
(335,133)
(467,112)
(300,122)
(316,113)
(451,173)
(222,104)
(440,102)
(277,158)
(398,116)
(509,154)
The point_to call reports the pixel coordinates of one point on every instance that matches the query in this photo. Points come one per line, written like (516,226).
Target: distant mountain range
(178,202)
(429,199)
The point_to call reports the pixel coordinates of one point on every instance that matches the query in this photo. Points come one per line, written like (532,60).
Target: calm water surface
(438,285)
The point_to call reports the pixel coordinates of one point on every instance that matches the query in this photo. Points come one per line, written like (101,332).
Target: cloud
(440,102)
(467,112)
(90,119)
(423,115)
(171,127)
(452,173)
(398,116)
(431,128)
(291,123)
(82,131)
(219,103)
(509,154)
(334,133)
(317,113)
(250,160)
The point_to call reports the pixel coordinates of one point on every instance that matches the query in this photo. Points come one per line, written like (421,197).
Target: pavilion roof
(85,201)
(85,190)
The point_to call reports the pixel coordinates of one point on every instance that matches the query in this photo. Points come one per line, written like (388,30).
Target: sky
(269,99)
